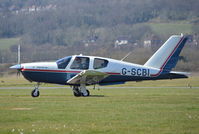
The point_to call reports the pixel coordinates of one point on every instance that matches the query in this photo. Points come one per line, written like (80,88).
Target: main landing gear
(35,92)
(80,91)
(77,91)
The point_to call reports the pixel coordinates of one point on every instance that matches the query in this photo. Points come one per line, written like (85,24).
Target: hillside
(66,27)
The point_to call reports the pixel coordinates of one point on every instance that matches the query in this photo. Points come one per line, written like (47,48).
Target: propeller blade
(18,73)
(19,55)
(18,66)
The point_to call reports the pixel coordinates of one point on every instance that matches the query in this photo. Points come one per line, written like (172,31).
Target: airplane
(79,71)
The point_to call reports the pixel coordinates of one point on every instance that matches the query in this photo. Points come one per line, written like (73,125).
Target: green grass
(109,111)
(10,81)
(125,111)
(191,81)
(6,43)
(165,29)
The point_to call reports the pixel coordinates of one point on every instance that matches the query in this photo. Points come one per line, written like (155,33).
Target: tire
(88,93)
(76,94)
(35,93)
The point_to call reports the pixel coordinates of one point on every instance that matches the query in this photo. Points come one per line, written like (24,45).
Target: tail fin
(166,57)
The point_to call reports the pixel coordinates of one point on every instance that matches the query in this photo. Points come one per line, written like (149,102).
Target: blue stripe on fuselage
(123,78)
(48,77)
(62,78)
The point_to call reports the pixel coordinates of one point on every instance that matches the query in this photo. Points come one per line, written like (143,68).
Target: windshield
(62,63)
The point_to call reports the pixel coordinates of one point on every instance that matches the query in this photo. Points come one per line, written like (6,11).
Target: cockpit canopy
(82,63)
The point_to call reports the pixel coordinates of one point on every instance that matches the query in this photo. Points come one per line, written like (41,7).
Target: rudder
(166,57)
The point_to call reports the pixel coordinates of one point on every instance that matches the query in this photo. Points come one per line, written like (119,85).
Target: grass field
(109,111)
(6,43)
(165,29)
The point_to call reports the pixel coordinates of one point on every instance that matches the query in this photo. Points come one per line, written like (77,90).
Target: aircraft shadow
(96,96)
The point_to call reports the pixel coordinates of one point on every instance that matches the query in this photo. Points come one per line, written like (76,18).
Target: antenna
(19,54)
(126,56)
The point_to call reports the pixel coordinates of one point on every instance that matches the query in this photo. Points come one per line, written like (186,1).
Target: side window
(100,63)
(80,63)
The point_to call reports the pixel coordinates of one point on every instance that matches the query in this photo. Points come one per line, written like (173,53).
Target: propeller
(18,66)
(19,60)
(19,55)
(18,72)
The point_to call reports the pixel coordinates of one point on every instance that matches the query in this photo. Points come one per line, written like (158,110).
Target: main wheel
(85,94)
(76,91)
(76,94)
(35,93)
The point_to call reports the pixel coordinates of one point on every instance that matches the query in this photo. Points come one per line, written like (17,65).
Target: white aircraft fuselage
(81,70)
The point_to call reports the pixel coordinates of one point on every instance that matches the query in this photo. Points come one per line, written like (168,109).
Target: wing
(87,77)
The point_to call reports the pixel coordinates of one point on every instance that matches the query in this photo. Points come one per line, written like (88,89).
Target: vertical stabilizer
(166,57)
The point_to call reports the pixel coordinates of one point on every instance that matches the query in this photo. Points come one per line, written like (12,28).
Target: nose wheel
(35,92)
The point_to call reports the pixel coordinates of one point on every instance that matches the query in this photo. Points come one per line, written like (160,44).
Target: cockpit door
(80,63)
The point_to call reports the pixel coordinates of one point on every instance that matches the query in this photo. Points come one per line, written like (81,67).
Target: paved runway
(101,87)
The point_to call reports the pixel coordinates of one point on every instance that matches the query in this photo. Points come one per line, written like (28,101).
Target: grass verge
(6,43)
(109,111)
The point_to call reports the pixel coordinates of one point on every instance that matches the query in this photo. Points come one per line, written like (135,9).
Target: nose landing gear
(35,92)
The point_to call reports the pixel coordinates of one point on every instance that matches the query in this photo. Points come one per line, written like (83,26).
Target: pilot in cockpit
(77,63)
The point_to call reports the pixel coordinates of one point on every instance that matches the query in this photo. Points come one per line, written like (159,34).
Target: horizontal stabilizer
(180,74)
